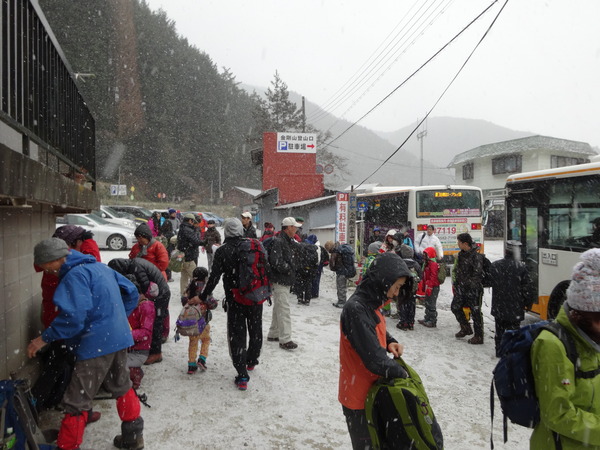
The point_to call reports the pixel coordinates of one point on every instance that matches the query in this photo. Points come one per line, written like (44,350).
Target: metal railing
(38,94)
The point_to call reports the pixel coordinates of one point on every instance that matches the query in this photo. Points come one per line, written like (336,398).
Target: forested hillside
(165,114)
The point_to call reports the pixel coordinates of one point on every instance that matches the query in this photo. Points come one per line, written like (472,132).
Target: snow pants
(356,420)
(242,321)
(468,299)
(203,337)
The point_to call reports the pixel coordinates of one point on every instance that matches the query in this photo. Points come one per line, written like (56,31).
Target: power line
(441,95)
(414,73)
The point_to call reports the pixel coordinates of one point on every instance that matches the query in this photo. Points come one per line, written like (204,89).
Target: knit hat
(312,238)
(143,230)
(49,250)
(171,211)
(69,233)
(406,251)
(374,247)
(233,227)
(584,291)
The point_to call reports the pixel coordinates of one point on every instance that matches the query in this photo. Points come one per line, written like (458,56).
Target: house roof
(524,145)
(265,193)
(249,191)
(310,201)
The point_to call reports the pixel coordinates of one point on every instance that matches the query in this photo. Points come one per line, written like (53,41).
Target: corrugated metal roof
(524,145)
(249,191)
(305,202)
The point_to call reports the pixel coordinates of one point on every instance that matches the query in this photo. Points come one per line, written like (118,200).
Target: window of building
(468,171)
(562,161)
(506,164)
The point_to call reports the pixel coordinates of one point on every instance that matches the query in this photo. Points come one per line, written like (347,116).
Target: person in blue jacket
(93,302)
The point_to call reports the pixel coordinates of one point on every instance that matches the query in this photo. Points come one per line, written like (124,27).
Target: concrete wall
(20,291)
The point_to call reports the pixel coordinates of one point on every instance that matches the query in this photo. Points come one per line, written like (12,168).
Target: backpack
(487,272)
(253,283)
(176,261)
(191,321)
(442,272)
(19,414)
(513,375)
(399,414)
(347,252)
(308,258)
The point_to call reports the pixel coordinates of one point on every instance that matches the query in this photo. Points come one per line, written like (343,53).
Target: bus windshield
(445,203)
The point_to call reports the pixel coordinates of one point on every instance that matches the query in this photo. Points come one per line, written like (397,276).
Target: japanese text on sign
(296,143)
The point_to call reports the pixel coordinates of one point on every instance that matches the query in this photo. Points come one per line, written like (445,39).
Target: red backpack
(254,286)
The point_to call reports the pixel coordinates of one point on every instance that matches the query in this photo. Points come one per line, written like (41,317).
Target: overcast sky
(538,70)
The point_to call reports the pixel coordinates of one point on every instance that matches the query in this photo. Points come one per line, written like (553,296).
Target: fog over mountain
(365,149)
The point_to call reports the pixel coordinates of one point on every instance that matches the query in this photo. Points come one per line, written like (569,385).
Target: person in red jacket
(365,342)
(148,248)
(431,287)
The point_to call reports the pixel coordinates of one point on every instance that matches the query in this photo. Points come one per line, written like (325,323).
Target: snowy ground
(291,401)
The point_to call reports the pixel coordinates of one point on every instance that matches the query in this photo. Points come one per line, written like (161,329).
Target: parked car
(107,235)
(116,217)
(142,215)
(218,219)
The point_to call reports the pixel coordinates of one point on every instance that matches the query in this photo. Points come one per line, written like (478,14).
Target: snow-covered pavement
(291,401)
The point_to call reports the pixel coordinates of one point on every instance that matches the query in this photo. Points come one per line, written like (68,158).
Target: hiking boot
(131,436)
(339,304)
(270,339)
(93,416)
(291,345)
(202,364)
(250,368)
(192,368)
(153,359)
(465,330)
(403,326)
(476,340)
(241,383)
(427,324)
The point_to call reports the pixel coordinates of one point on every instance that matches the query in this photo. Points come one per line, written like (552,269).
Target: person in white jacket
(429,239)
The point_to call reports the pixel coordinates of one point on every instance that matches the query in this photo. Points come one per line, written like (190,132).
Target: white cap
(290,221)
(247,215)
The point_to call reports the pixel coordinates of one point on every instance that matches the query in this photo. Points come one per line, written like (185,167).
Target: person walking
(468,288)
(512,291)
(244,317)
(91,296)
(569,408)
(188,242)
(282,274)
(365,343)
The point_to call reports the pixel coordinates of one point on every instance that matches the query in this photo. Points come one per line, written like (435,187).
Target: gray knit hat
(49,250)
(233,227)
(584,291)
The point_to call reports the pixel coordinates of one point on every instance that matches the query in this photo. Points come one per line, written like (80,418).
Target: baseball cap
(290,221)
(247,215)
(189,216)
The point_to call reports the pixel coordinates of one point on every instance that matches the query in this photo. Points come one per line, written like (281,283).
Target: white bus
(451,209)
(551,212)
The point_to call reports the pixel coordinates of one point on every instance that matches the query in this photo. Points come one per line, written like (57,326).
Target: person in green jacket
(570,405)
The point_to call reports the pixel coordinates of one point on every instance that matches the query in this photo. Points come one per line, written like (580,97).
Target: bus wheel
(557,298)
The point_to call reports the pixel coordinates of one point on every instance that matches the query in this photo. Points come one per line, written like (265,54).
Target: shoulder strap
(572,353)
(422,237)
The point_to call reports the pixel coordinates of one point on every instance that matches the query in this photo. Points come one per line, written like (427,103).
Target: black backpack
(487,272)
(308,258)
(347,253)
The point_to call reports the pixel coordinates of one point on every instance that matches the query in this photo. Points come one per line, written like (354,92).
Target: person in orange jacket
(148,248)
(365,342)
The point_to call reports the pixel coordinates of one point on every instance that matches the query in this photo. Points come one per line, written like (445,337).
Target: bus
(452,209)
(552,213)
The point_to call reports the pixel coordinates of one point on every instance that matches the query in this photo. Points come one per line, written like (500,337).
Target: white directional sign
(118,189)
(296,143)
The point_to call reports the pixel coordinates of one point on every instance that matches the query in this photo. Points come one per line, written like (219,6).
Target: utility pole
(220,192)
(303,116)
(420,135)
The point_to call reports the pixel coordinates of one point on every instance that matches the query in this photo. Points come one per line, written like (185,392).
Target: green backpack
(399,414)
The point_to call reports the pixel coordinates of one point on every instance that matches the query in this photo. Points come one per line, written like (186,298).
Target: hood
(430,252)
(407,252)
(374,247)
(143,230)
(233,227)
(75,258)
(311,238)
(120,265)
(383,272)
(391,232)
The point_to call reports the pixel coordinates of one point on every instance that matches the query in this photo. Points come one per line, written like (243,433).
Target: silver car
(116,217)
(106,234)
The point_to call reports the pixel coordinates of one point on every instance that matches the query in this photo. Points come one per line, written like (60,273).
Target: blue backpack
(347,253)
(513,375)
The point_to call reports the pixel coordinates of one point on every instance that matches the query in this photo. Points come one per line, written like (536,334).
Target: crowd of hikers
(126,304)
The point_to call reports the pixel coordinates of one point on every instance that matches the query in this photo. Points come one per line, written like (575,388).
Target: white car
(116,217)
(107,235)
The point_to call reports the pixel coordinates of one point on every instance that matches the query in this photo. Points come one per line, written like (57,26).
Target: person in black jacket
(249,229)
(467,282)
(512,291)
(242,315)
(189,242)
(282,275)
(146,272)
(211,237)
